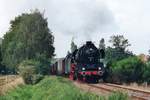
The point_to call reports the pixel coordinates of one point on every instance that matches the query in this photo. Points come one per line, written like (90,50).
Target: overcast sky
(86,20)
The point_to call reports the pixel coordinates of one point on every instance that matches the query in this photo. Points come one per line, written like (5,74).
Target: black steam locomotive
(85,63)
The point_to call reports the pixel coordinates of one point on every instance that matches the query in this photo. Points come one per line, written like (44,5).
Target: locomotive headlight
(83,68)
(99,68)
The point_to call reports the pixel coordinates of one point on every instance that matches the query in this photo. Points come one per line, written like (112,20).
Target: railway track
(135,94)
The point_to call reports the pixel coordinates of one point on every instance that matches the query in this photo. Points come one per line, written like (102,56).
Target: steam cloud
(82,17)
(66,18)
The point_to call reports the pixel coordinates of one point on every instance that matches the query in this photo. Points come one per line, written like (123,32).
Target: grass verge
(56,88)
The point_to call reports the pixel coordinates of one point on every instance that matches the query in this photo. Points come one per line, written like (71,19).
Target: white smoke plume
(80,17)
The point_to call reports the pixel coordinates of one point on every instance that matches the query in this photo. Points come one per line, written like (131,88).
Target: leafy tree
(28,37)
(146,73)
(2,68)
(119,42)
(128,70)
(44,64)
(102,44)
(118,50)
(73,46)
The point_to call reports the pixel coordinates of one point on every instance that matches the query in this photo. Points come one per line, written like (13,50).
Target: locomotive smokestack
(88,42)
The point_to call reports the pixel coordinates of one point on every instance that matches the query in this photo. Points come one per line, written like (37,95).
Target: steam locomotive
(85,64)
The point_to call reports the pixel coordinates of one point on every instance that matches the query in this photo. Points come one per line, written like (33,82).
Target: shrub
(128,70)
(36,78)
(146,73)
(28,70)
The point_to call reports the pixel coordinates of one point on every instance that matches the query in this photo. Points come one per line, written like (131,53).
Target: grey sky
(86,20)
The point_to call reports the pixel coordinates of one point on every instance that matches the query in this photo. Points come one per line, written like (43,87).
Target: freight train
(85,64)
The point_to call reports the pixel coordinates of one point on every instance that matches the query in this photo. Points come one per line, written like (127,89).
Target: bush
(36,78)
(28,70)
(128,70)
(146,73)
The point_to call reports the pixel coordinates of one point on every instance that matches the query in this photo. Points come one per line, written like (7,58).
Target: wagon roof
(56,59)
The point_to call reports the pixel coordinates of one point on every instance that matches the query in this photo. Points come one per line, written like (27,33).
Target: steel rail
(135,94)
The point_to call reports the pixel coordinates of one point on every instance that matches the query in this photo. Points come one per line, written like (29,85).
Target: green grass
(56,88)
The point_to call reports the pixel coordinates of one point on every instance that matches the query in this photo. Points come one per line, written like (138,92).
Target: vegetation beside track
(56,88)
(8,82)
(6,79)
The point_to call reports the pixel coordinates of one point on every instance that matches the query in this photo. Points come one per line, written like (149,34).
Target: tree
(1,66)
(119,42)
(128,70)
(149,55)
(28,37)
(146,73)
(102,44)
(73,46)
(118,51)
